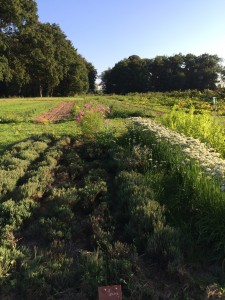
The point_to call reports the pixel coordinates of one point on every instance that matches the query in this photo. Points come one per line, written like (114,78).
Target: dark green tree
(44,69)
(75,80)
(129,75)
(163,73)
(17,15)
(157,67)
(92,76)
(202,71)
(50,59)
(16,18)
(37,58)
(167,73)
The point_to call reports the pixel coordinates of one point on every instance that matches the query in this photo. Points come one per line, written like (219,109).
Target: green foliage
(114,210)
(92,76)
(91,119)
(8,261)
(56,228)
(5,73)
(127,76)
(134,157)
(14,213)
(203,194)
(23,14)
(163,73)
(145,219)
(46,274)
(92,272)
(201,126)
(36,58)
(15,163)
(95,269)
(91,192)
(165,245)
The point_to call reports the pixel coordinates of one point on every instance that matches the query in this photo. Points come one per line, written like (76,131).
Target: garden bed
(87,214)
(60,112)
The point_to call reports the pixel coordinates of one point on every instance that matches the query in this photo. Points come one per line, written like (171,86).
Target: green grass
(17,114)
(15,132)
(17,109)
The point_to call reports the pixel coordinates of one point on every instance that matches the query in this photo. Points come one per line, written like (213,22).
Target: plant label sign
(111,292)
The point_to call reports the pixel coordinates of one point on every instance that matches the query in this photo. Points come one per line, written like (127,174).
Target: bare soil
(60,112)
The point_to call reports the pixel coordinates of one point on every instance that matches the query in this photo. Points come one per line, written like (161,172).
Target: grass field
(16,116)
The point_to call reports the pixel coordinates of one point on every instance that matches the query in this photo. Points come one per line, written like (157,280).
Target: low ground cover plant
(78,229)
(15,162)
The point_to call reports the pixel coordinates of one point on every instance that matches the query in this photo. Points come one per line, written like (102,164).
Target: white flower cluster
(207,158)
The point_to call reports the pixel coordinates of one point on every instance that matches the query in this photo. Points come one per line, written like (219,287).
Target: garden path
(57,113)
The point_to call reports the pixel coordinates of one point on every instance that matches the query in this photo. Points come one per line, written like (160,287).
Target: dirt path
(60,112)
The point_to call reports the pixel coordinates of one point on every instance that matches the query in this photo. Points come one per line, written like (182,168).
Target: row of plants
(99,209)
(18,204)
(16,161)
(94,220)
(201,126)
(202,173)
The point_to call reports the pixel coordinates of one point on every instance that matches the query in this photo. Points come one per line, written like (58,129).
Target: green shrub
(133,190)
(204,127)
(91,119)
(9,260)
(92,272)
(13,214)
(144,219)
(165,245)
(90,193)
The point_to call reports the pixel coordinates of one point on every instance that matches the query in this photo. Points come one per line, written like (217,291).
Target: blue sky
(107,31)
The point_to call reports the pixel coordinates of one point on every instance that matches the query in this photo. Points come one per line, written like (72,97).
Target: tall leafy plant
(92,119)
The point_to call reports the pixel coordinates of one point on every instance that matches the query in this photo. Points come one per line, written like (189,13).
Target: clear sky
(107,31)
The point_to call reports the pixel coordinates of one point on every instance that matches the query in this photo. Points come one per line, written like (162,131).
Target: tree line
(37,59)
(163,73)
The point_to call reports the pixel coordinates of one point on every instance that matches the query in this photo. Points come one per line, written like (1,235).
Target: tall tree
(158,74)
(202,71)
(16,18)
(75,80)
(50,56)
(129,75)
(92,76)
(163,73)
(36,58)
(17,15)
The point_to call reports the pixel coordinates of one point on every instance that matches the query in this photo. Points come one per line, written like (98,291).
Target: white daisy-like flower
(191,147)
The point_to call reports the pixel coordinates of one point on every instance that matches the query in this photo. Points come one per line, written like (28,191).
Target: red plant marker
(110,292)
